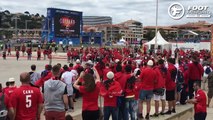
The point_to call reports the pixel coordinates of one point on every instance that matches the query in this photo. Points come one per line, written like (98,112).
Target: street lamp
(26,21)
(156,27)
(16,18)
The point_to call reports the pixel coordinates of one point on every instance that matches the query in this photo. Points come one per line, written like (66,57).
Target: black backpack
(208,70)
(3,109)
(180,77)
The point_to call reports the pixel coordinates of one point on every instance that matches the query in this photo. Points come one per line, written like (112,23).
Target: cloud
(119,10)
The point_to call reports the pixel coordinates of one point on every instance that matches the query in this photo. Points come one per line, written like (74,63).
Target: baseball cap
(78,61)
(110,75)
(11,80)
(117,60)
(89,62)
(150,63)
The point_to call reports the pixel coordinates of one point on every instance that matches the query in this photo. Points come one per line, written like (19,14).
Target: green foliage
(34,23)
(149,35)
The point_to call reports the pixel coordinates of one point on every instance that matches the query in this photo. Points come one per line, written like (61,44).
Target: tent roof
(160,40)
(122,40)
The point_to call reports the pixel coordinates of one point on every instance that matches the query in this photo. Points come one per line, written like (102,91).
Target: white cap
(117,60)
(110,75)
(90,62)
(150,63)
(78,61)
(11,80)
(136,70)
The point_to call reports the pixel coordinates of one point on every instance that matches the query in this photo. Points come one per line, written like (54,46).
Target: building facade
(97,20)
(132,31)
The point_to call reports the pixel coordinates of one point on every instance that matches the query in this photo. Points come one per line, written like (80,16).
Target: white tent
(122,40)
(160,40)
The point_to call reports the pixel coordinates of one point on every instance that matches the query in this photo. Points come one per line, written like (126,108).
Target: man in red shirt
(199,102)
(23,49)
(5,106)
(27,100)
(39,54)
(148,78)
(195,74)
(11,87)
(171,85)
(17,54)
(159,88)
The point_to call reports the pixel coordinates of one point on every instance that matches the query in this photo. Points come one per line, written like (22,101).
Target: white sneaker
(177,103)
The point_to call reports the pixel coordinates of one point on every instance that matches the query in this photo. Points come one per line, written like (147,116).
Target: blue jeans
(130,108)
(110,111)
(122,109)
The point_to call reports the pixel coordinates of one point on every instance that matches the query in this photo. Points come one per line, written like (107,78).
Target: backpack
(3,109)
(208,70)
(180,77)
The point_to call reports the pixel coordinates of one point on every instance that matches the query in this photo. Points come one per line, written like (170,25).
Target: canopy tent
(160,40)
(122,40)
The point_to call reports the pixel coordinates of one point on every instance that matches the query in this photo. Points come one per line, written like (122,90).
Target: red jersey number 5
(28,101)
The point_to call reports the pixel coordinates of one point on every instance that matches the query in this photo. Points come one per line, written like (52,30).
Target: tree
(149,35)
(37,15)
(42,16)
(119,36)
(7,12)
(26,13)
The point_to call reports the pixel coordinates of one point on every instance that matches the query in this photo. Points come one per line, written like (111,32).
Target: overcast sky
(119,10)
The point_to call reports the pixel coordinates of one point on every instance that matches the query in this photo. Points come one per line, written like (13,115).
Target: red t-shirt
(195,71)
(160,83)
(10,90)
(26,100)
(170,77)
(7,101)
(122,78)
(40,82)
(110,101)
(90,99)
(200,106)
(110,95)
(148,78)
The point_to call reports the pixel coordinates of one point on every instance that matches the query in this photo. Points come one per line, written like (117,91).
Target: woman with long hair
(90,92)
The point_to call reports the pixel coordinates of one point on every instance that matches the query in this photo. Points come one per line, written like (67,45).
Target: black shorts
(90,115)
(170,95)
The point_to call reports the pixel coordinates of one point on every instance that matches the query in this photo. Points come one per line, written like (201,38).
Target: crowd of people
(125,78)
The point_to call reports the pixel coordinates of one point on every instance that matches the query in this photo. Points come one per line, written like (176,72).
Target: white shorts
(69,90)
(158,97)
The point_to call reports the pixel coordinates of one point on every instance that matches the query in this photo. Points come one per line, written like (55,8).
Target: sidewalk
(34,55)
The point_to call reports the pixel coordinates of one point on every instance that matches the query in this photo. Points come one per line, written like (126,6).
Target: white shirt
(67,77)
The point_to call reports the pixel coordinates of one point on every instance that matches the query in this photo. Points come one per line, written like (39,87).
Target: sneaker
(140,117)
(177,103)
(154,115)
(173,110)
(162,113)
(169,112)
(147,117)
